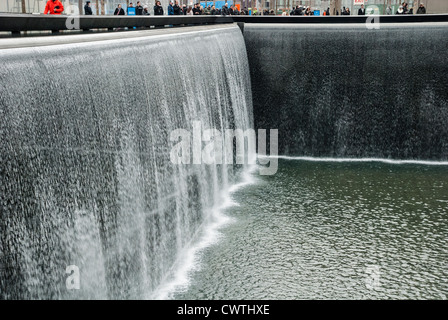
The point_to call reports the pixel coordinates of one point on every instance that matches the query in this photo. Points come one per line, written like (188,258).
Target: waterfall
(86,177)
(342,90)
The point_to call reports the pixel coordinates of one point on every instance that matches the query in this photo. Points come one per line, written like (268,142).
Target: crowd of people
(176,10)
(404,9)
(56,7)
(297,11)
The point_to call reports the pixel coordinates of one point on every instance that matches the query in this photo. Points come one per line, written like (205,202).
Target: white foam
(189,261)
(10,45)
(389,161)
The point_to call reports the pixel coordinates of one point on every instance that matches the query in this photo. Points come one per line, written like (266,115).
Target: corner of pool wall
(86,174)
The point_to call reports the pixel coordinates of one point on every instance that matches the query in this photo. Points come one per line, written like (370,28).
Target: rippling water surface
(333,230)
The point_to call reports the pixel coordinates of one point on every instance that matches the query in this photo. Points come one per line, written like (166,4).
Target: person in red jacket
(54,7)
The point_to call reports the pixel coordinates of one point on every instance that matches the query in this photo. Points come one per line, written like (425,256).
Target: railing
(31,22)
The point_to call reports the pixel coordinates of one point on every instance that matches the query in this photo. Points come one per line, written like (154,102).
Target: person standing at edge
(54,7)
(421,9)
(131,5)
(308,11)
(177,9)
(225,10)
(361,11)
(405,8)
(88,9)
(170,9)
(119,11)
(139,9)
(158,9)
(196,10)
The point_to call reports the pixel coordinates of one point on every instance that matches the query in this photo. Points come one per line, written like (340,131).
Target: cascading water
(86,177)
(342,90)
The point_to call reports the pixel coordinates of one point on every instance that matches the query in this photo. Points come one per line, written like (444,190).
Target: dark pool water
(332,230)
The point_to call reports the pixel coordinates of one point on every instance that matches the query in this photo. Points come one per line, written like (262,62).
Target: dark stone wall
(346,91)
